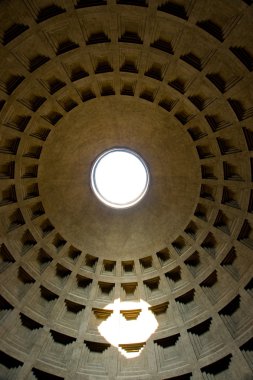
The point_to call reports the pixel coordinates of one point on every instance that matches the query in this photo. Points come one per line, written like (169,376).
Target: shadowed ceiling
(171,80)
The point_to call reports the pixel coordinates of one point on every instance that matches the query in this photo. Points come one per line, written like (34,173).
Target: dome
(159,290)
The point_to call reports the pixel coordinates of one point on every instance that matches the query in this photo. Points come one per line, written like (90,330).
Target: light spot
(118,330)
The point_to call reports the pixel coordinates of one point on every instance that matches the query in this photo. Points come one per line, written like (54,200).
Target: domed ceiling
(172,81)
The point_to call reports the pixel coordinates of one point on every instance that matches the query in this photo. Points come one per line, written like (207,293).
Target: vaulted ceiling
(171,80)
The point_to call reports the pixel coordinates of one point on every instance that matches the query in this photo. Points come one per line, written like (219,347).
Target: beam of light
(119,178)
(119,331)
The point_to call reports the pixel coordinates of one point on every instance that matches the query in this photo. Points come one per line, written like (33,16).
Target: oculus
(119,178)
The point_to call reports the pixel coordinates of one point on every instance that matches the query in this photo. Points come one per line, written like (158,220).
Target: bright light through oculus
(119,178)
(129,326)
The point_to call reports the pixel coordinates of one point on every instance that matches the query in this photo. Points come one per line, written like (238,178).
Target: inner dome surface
(64,178)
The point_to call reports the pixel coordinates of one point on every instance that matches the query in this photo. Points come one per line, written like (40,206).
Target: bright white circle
(119,178)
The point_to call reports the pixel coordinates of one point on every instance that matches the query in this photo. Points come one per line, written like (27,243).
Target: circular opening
(119,178)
